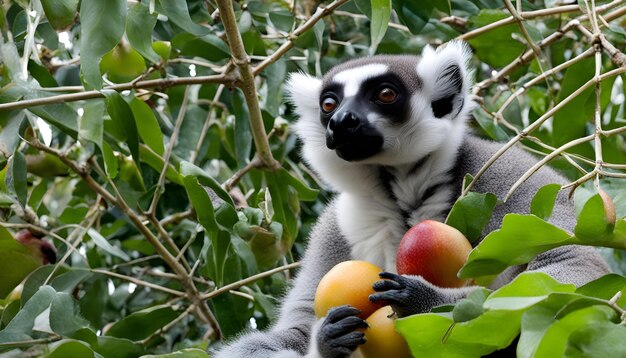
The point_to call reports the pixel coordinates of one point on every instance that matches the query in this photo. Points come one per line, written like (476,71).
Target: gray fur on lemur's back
(360,184)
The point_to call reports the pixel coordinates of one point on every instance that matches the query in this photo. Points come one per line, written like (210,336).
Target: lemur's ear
(304,92)
(445,72)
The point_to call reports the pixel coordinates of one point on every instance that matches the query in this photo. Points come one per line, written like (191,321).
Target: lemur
(389,134)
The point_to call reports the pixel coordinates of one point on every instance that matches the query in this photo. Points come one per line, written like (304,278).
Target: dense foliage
(95,96)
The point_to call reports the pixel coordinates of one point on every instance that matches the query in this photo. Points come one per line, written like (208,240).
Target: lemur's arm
(291,335)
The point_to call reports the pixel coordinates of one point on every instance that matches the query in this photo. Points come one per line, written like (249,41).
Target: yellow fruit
(348,283)
(382,340)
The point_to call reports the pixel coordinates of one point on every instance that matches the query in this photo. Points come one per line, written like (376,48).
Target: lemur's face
(359,99)
(382,110)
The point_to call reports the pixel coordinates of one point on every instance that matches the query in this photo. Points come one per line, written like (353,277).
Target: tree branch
(247,85)
(158,83)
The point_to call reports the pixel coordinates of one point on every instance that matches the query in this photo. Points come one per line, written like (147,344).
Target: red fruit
(434,251)
(39,248)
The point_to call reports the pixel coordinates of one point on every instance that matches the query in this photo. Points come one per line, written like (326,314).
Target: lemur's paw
(338,336)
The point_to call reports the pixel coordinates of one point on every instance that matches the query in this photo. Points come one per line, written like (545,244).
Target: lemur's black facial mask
(349,130)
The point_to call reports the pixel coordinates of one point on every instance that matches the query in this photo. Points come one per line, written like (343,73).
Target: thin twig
(139,282)
(232,181)
(159,83)
(236,285)
(538,124)
(160,187)
(320,13)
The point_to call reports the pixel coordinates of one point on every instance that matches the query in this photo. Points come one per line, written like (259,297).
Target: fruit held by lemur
(435,251)
(348,283)
(381,338)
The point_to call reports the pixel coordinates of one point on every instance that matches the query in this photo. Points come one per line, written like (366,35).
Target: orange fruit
(382,340)
(348,283)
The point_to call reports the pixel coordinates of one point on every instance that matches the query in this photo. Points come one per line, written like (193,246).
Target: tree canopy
(148,144)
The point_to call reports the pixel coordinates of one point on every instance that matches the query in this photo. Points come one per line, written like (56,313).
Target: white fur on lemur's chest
(373,222)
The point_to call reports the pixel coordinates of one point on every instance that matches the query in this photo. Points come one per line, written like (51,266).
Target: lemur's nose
(341,127)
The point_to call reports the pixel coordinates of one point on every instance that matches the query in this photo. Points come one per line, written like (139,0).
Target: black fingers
(386,285)
(338,336)
(394,277)
(388,297)
(350,340)
(337,313)
(343,326)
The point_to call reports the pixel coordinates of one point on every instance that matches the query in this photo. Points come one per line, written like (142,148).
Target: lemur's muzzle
(342,128)
(351,136)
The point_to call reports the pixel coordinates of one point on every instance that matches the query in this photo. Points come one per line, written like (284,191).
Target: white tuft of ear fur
(434,67)
(304,92)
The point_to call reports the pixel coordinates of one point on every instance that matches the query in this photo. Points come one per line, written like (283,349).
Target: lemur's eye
(329,104)
(387,95)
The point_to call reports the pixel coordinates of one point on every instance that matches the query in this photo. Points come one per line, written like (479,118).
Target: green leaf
(16,262)
(543,201)
(60,13)
(282,20)
(570,122)
(305,193)
(91,124)
(185,353)
(381,13)
(413,14)
(67,281)
(65,319)
(365,6)
(520,239)
(111,164)
(537,320)
(605,288)
(243,134)
(123,119)
(147,125)
(16,180)
(141,324)
(60,115)
(285,205)
(594,225)
(201,202)
(39,278)
(117,347)
(274,75)
(496,47)
(555,340)
(95,41)
(20,327)
(177,12)
(187,169)
(156,162)
(525,291)
(471,213)
(9,135)
(104,244)
(598,339)
(139,26)
(209,46)
(434,335)
(69,348)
